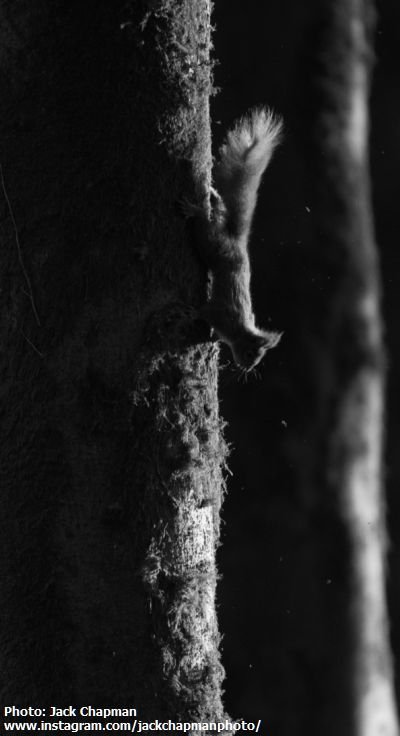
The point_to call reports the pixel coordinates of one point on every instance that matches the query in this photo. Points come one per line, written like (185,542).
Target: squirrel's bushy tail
(243,158)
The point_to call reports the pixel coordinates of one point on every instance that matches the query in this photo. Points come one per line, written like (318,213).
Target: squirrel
(224,235)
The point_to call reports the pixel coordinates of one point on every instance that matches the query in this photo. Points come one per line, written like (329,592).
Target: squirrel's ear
(271,339)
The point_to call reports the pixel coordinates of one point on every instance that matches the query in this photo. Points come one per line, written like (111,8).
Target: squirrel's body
(224,235)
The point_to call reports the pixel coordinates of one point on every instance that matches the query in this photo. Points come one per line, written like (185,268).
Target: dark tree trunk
(110,438)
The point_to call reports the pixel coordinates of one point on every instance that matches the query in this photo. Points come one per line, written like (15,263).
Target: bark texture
(110,445)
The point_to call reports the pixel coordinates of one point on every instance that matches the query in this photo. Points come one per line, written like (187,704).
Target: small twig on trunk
(19,250)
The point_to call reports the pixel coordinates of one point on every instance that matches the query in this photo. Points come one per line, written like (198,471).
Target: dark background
(266,623)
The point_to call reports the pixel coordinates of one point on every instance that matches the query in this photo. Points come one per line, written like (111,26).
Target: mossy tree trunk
(359,698)
(111,451)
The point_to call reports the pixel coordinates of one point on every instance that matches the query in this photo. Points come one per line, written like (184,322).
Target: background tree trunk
(110,437)
(351,385)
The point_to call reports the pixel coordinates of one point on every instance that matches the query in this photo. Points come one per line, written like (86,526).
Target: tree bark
(111,449)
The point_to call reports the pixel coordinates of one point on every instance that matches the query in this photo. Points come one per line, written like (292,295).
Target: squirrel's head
(249,349)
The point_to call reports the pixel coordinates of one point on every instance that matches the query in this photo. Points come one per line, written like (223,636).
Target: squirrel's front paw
(188,209)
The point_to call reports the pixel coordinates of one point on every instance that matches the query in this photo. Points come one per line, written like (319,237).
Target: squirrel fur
(224,235)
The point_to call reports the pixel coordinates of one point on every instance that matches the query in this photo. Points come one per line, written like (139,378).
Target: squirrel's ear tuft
(271,339)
